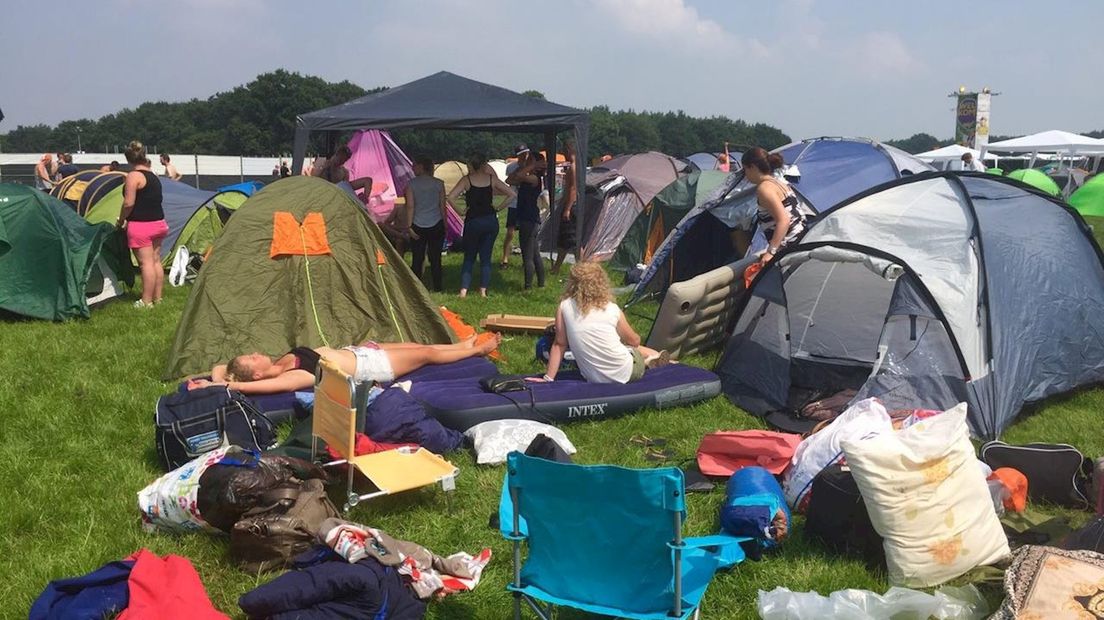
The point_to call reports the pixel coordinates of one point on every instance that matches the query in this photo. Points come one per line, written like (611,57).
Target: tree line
(258,119)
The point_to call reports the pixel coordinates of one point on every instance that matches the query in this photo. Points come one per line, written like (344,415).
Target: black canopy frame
(448,101)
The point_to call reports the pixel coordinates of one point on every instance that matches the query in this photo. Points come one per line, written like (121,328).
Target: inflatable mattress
(283,405)
(461,403)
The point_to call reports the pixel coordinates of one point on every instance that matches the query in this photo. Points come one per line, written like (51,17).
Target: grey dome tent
(925,292)
(448,101)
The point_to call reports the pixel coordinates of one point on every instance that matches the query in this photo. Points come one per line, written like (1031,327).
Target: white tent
(1052,141)
(943,158)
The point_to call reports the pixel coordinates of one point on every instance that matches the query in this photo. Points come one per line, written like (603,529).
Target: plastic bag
(169,503)
(946,603)
(865,418)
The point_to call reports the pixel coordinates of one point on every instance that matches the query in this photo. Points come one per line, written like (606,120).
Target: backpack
(189,424)
(836,516)
(268,537)
(724,452)
(1056,473)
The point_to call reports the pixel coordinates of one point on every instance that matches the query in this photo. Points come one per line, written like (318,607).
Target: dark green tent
(246,301)
(47,253)
(661,215)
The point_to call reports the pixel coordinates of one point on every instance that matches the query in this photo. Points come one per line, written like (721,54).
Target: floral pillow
(495,439)
(928,499)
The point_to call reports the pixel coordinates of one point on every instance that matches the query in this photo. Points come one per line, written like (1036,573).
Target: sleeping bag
(754,506)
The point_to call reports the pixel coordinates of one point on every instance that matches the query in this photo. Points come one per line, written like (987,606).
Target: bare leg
(160,271)
(560,257)
(408,360)
(398,346)
(506,243)
(149,266)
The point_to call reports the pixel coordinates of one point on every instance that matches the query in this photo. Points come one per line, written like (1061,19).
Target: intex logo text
(587,411)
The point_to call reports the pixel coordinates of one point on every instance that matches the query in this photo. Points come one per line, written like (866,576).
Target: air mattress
(461,403)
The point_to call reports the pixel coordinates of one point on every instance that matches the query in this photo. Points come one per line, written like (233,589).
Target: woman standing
(779,215)
(528,179)
(145,223)
(425,198)
(480,220)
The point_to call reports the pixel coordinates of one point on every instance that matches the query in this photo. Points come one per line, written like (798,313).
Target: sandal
(652,454)
(647,442)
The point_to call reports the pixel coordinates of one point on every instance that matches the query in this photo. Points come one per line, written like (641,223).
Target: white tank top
(593,339)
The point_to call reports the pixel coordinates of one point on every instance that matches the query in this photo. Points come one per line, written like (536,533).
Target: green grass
(76,444)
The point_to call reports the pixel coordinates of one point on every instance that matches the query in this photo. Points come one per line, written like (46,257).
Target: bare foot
(468,342)
(463,293)
(487,344)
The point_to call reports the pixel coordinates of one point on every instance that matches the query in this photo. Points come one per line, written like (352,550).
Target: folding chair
(606,540)
(390,471)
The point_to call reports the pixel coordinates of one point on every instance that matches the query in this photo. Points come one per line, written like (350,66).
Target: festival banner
(966,114)
(981,133)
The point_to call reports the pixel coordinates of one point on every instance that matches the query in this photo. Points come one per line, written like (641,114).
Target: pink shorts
(143,234)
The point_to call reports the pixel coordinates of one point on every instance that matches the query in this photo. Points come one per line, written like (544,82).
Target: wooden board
(516,323)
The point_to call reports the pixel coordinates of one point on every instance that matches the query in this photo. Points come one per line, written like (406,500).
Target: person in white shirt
(969,164)
(592,326)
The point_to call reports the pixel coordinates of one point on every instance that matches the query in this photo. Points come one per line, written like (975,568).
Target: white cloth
(494,439)
(599,352)
(372,365)
(178,274)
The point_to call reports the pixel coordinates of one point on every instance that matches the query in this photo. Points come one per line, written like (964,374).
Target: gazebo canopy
(952,152)
(448,101)
(1052,141)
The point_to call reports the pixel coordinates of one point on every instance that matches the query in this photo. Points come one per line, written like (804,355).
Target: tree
(917,143)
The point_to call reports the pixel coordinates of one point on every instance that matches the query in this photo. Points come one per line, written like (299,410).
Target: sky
(810,67)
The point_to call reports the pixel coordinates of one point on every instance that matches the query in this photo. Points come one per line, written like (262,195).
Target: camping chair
(606,540)
(391,471)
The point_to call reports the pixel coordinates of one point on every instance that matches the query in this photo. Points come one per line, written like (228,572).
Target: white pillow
(928,499)
(495,439)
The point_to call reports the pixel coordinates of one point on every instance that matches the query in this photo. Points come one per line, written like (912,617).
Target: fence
(207,172)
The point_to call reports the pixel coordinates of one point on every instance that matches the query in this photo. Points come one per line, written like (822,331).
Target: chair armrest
(726,548)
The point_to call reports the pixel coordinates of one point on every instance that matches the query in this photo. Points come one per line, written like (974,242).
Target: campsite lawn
(76,444)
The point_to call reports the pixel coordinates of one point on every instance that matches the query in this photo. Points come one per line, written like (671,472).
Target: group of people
(419,224)
(49,171)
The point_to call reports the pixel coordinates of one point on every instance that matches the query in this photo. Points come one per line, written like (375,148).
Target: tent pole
(196,158)
(581,161)
(299,150)
(550,183)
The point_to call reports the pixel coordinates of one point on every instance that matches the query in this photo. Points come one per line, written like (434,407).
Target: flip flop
(652,454)
(647,442)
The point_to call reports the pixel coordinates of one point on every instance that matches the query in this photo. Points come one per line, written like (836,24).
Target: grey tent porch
(448,101)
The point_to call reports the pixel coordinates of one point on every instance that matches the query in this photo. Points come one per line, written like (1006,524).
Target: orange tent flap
(289,238)
(464,331)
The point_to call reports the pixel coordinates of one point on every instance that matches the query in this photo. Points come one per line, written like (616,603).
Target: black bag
(1055,472)
(498,384)
(188,424)
(836,516)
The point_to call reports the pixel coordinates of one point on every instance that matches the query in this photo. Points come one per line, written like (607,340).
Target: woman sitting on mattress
(606,348)
(256,373)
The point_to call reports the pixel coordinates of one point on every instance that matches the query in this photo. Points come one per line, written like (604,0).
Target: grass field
(76,444)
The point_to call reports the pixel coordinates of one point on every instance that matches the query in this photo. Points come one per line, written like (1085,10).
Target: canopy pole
(299,151)
(550,183)
(581,130)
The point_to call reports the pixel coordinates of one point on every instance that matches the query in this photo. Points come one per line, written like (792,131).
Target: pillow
(928,499)
(495,439)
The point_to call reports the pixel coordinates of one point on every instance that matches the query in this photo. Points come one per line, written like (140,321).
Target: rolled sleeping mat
(755,506)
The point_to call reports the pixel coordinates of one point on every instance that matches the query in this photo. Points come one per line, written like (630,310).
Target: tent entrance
(830,319)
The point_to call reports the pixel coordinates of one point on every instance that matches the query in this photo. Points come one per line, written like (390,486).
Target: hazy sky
(811,67)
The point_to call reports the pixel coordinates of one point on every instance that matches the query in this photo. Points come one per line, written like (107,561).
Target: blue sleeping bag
(753,499)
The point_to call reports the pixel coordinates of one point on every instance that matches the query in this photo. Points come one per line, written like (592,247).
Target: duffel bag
(193,423)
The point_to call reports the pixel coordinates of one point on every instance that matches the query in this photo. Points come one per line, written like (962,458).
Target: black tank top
(147,202)
(306,358)
(479,200)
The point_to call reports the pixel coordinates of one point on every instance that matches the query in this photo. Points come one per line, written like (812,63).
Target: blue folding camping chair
(606,540)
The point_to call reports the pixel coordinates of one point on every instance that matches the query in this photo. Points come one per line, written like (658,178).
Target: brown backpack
(268,537)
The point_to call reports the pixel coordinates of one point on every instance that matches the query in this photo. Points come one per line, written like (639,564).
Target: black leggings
(529,240)
(430,240)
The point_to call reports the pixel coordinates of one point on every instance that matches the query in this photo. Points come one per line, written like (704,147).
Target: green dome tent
(1089,198)
(51,260)
(206,224)
(258,292)
(1037,179)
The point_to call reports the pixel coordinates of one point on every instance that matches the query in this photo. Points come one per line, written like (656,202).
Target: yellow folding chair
(390,471)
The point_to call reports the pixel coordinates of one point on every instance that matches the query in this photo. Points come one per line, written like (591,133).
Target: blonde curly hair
(589,286)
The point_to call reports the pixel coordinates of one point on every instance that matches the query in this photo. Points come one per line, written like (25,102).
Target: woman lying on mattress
(368,361)
(606,348)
